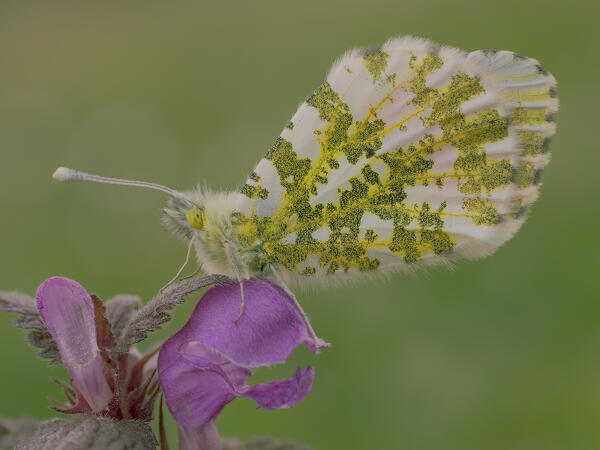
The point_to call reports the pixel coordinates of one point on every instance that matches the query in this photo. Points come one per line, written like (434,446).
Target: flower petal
(284,393)
(204,438)
(204,357)
(67,310)
(204,365)
(268,331)
(194,396)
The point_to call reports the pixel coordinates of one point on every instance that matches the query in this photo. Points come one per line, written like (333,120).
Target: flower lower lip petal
(283,393)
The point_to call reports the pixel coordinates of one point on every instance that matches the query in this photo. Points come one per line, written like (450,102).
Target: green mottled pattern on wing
(404,154)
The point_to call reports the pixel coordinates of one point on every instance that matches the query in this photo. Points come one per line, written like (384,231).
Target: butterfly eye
(195,218)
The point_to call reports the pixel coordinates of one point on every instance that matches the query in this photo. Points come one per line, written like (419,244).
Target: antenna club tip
(64,174)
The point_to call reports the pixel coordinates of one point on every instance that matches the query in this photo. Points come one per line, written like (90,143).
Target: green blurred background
(501,353)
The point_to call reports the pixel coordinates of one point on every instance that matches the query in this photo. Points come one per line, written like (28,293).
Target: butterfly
(408,154)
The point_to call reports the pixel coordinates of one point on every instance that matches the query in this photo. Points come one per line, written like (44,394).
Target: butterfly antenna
(69,175)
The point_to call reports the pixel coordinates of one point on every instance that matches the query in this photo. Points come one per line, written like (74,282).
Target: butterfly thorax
(219,249)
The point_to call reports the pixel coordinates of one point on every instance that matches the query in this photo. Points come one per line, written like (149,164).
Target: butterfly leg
(187,260)
(318,342)
(242,305)
(237,273)
(193,274)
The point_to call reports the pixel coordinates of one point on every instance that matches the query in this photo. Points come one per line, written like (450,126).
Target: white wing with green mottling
(407,154)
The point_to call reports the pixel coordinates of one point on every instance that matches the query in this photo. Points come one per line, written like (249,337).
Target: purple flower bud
(205,365)
(68,312)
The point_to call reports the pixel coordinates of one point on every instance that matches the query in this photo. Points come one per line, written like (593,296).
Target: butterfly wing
(405,155)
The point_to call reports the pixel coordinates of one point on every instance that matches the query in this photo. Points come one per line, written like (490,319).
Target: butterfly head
(185,214)
(195,217)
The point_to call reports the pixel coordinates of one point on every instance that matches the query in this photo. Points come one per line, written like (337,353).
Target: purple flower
(68,312)
(205,365)
(105,381)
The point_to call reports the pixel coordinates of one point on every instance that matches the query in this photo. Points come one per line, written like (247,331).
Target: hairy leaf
(19,303)
(88,432)
(156,313)
(30,319)
(16,431)
(119,311)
